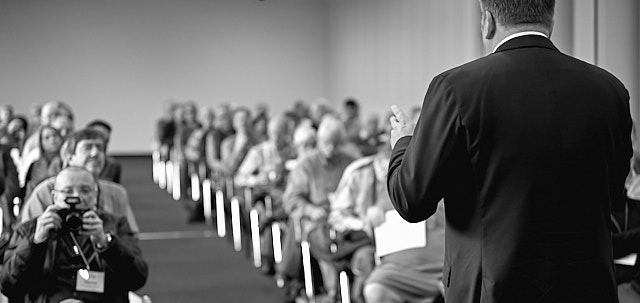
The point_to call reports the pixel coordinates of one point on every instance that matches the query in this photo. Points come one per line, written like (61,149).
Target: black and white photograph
(320,151)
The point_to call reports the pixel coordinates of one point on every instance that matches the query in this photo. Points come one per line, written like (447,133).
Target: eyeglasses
(81,190)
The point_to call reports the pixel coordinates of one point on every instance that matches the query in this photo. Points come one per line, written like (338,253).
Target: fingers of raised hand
(399,115)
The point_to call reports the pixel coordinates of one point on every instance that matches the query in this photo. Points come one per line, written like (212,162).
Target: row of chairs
(220,195)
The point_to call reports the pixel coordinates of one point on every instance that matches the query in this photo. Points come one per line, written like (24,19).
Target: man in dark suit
(529,149)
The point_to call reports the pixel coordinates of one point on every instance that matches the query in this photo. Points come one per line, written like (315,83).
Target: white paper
(396,234)
(628,260)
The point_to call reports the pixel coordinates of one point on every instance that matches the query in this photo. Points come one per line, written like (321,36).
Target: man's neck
(504,32)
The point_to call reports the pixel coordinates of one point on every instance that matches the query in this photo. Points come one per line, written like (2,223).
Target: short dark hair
(100,123)
(83,134)
(351,103)
(517,12)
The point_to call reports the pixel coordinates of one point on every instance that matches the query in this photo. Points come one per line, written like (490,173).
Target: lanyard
(78,250)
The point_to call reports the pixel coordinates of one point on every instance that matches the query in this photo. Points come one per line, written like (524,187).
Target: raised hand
(401,125)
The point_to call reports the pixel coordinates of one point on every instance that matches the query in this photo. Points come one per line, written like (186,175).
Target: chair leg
(235,224)
(220,215)
(255,238)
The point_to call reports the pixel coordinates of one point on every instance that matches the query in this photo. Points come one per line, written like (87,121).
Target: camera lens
(74,221)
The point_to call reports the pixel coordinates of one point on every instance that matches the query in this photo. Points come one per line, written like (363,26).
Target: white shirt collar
(516,35)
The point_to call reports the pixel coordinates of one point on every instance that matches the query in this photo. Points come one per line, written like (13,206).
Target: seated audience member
(626,226)
(48,113)
(311,182)
(351,120)
(6,115)
(371,135)
(220,129)
(290,269)
(84,148)
(410,275)
(9,188)
(317,110)
(304,143)
(17,130)
(165,130)
(33,118)
(263,169)
(194,149)
(356,205)
(31,151)
(235,147)
(112,170)
(87,255)
(260,122)
(300,112)
(187,124)
(224,120)
(50,143)
(360,203)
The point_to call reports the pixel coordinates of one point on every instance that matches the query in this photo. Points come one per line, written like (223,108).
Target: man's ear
(488,24)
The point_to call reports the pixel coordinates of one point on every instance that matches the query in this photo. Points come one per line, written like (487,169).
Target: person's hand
(401,125)
(375,216)
(92,226)
(46,223)
(315,213)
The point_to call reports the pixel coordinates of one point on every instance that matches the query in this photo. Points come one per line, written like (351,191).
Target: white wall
(386,52)
(121,59)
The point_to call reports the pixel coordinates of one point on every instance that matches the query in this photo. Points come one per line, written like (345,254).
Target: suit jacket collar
(525,42)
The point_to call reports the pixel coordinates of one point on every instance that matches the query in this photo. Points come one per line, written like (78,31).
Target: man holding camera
(87,149)
(73,251)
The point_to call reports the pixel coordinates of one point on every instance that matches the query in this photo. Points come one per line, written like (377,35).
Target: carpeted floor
(193,265)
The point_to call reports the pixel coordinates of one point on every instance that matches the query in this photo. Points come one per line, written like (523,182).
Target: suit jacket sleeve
(418,163)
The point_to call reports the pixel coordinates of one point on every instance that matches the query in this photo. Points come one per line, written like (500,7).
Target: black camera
(72,216)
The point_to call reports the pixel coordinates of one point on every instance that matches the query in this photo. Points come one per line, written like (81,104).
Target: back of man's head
(511,13)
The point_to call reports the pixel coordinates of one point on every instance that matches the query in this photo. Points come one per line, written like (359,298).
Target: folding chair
(207,205)
(343,277)
(221,220)
(169,176)
(162,173)
(155,169)
(306,260)
(195,187)
(235,223)
(176,193)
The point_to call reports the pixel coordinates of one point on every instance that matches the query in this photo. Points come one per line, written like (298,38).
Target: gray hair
(518,12)
(332,127)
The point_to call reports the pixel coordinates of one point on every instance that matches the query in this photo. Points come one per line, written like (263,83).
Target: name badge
(90,281)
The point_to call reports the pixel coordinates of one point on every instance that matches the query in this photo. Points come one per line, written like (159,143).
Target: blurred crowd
(314,176)
(68,233)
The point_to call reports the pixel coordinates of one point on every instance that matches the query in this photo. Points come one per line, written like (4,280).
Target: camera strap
(78,251)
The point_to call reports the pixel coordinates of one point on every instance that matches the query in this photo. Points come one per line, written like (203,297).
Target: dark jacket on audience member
(48,269)
(530,149)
